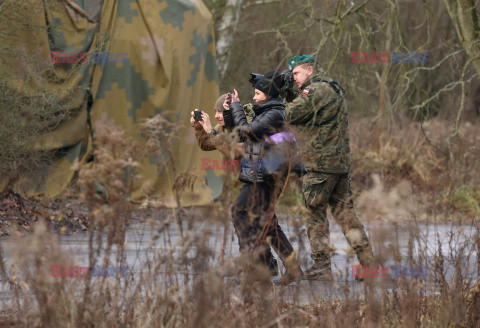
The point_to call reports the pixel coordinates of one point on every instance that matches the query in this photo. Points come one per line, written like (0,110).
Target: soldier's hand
(290,95)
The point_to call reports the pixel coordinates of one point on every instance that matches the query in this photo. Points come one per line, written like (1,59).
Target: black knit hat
(270,84)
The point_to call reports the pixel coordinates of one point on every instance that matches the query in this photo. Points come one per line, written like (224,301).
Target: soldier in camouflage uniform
(320,112)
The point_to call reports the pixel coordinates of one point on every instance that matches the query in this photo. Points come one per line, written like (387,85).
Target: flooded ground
(142,240)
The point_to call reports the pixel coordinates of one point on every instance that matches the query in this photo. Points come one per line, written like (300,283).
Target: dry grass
(418,165)
(413,171)
(184,282)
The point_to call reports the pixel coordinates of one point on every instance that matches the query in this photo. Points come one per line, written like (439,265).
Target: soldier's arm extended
(314,98)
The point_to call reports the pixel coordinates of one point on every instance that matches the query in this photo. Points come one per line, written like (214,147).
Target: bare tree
(465,19)
(225,34)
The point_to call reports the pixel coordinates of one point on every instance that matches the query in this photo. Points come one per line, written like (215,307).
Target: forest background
(415,136)
(413,125)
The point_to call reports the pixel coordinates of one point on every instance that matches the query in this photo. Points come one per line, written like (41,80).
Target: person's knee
(319,234)
(341,203)
(318,221)
(344,214)
(357,237)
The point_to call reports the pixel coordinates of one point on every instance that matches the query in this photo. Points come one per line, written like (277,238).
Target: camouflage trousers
(319,191)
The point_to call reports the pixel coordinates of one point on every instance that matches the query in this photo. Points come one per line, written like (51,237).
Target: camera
(198,115)
(254,77)
(287,79)
(229,99)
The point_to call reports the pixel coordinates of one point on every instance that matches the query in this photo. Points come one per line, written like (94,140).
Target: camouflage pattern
(321,116)
(249,113)
(319,191)
(171,69)
(55,29)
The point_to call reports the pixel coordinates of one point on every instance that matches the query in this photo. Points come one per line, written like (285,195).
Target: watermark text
(359,57)
(88,57)
(226,164)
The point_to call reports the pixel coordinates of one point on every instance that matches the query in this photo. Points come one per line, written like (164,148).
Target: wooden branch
(465,19)
(260,2)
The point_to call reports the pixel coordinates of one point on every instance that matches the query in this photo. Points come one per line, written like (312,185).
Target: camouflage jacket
(249,113)
(320,114)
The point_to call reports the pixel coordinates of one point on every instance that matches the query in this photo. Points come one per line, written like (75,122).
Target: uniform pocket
(315,189)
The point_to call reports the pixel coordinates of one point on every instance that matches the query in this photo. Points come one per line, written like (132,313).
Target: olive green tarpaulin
(145,57)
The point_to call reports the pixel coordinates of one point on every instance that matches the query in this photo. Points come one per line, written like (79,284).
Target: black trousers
(255,220)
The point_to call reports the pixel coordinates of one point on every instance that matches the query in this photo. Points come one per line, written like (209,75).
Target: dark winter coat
(269,119)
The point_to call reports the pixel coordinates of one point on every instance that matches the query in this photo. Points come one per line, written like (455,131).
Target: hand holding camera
(235,96)
(288,81)
(205,122)
(231,97)
(200,118)
(198,115)
(193,120)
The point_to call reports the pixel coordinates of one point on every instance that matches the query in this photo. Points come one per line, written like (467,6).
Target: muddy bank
(18,215)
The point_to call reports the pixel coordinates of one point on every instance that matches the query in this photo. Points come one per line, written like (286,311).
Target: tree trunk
(465,20)
(382,100)
(226,31)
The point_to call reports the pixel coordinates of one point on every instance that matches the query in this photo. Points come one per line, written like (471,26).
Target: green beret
(299,60)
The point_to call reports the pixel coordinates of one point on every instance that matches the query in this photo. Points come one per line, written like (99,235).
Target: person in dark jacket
(209,139)
(254,209)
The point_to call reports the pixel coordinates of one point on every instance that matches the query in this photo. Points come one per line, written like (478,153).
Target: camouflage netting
(166,65)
